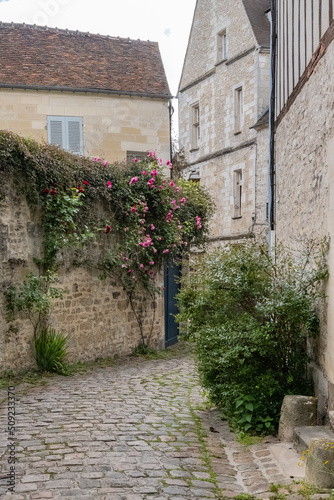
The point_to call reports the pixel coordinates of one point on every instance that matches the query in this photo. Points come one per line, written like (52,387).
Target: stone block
(296,411)
(320,464)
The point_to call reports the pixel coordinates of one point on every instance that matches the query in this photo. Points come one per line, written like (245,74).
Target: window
(237,194)
(238,109)
(66,132)
(196,130)
(194,176)
(221,46)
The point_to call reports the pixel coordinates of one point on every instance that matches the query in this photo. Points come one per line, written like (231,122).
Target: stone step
(302,436)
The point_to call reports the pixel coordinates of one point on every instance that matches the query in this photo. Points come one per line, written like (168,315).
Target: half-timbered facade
(304,152)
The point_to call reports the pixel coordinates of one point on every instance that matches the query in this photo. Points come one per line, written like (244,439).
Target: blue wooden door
(172,275)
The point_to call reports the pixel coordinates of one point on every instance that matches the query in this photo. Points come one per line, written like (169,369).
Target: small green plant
(246,496)
(246,416)
(50,350)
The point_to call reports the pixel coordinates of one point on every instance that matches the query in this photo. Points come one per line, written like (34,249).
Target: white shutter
(74,135)
(66,132)
(56,130)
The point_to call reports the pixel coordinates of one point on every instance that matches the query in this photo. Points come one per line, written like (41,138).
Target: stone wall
(112,125)
(95,314)
(305,189)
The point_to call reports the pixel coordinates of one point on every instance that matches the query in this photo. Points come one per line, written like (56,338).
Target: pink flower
(159,238)
(152,227)
(126,229)
(168,162)
(133,209)
(154,172)
(105,163)
(172,183)
(107,229)
(183,201)
(133,180)
(141,266)
(123,265)
(155,250)
(145,209)
(96,159)
(152,263)
(85,183)
(174,202)
(109,185)
(135,160)
(130,271)
(166,251)
(164,288)
(144,173)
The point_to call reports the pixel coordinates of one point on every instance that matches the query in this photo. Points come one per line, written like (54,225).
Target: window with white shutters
(66,132)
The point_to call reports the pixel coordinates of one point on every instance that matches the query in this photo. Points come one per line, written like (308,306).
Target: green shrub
(50,350)
(249,313)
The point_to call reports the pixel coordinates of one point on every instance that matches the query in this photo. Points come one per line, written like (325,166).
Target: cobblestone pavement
(135,430)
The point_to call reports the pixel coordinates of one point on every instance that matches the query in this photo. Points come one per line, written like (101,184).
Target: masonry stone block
(296,411)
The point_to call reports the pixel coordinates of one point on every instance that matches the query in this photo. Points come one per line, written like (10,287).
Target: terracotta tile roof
(50,57)
(255,10)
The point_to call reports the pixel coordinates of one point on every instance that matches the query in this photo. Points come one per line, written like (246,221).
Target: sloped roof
(255,10)
(50,57)
(263,120)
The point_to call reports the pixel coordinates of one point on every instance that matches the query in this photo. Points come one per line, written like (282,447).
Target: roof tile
(51,57)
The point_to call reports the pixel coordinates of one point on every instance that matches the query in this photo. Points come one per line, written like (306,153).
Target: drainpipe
(171,112)
(272,172)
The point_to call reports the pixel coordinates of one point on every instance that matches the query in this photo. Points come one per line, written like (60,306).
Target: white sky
(167,22)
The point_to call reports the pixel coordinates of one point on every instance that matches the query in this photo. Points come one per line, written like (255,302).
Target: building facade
(304,163)
(93,95)
(223,111)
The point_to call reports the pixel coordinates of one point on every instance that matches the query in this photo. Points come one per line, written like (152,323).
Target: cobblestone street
(135,430)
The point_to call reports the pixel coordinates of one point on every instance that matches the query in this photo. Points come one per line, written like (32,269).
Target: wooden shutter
(74,135)
(56,130)
(66,132)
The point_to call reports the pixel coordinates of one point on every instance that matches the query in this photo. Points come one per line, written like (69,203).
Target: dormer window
(222,46)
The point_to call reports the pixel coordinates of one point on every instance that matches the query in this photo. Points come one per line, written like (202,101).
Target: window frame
(238,178)
(66,140)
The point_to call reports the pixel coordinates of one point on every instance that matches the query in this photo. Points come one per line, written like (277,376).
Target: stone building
(93,95)
(223,111)
(304,163)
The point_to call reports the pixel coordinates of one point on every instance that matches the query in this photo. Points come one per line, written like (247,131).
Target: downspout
(272,171)
(171,112)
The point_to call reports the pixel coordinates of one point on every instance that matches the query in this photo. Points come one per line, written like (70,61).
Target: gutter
(78,89)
